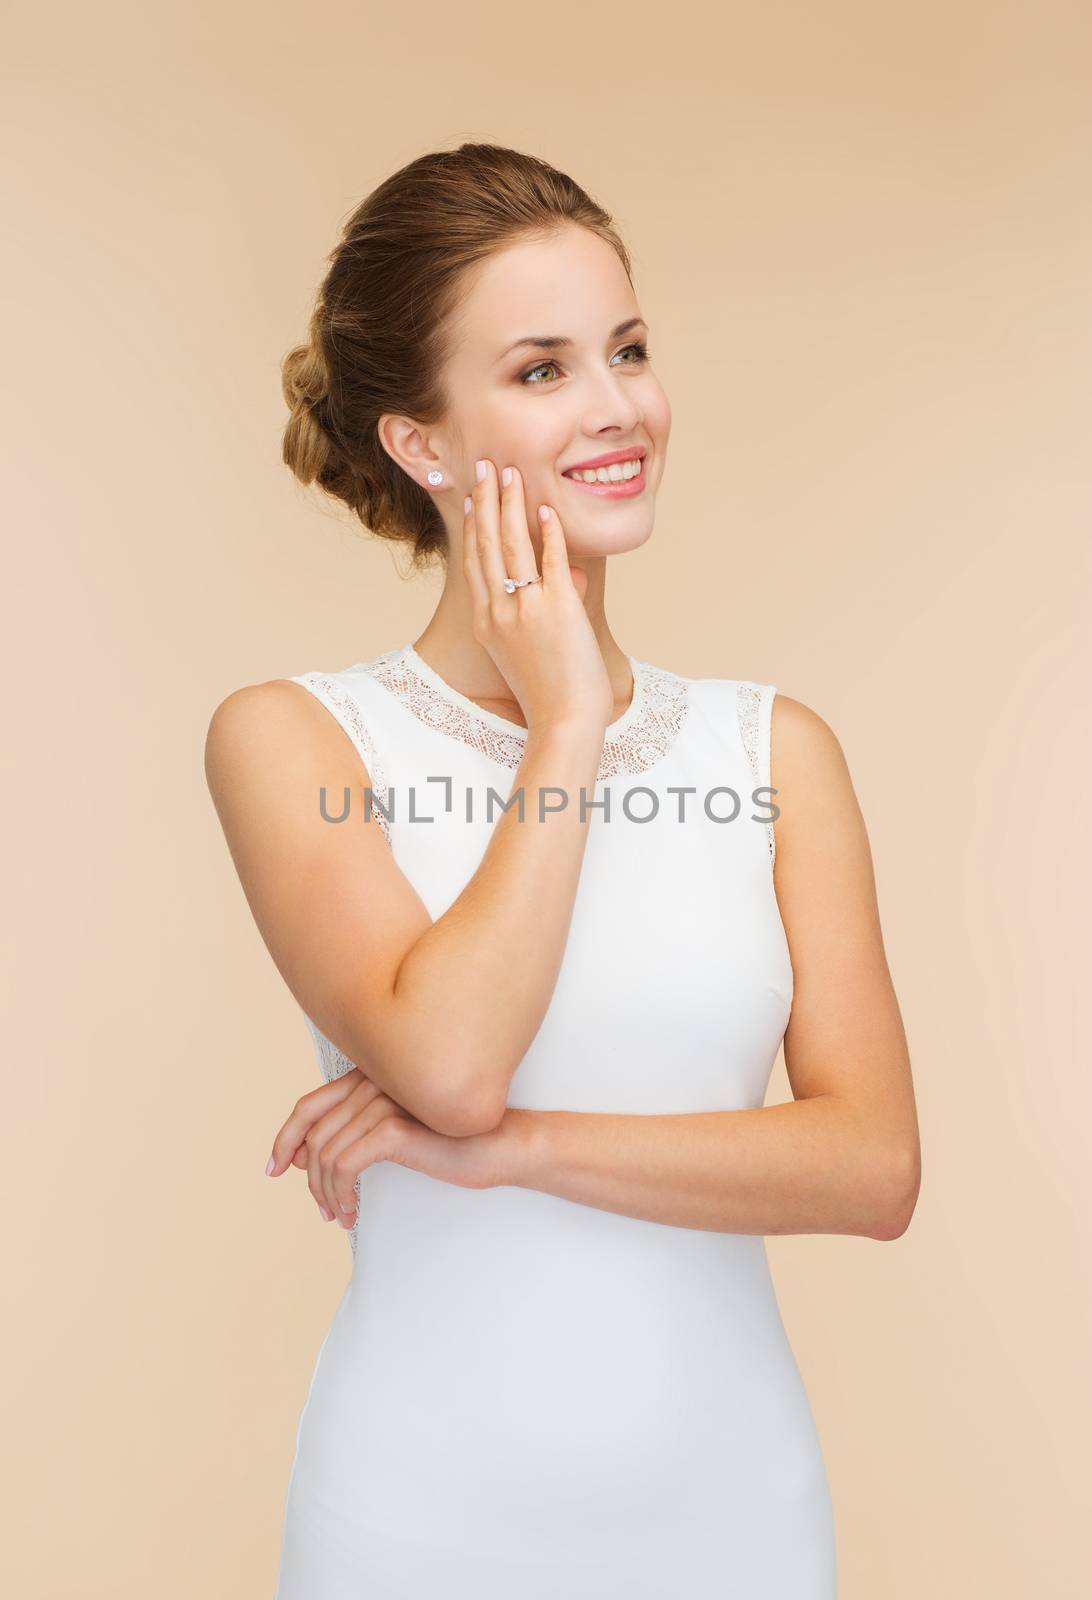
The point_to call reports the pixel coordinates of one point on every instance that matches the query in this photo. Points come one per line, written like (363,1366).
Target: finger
(302,1159)
(305,1113)
(487,530)
(472,566)
(555,553)
(327,1128)
(349,1135)
(360,1126)
(518,553)
(378,1144)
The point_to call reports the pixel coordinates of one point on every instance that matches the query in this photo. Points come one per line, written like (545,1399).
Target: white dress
(525,1398)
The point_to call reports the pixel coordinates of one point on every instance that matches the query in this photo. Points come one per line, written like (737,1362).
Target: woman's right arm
(437,1014)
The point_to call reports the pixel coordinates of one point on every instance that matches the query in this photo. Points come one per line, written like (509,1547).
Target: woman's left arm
(843,1156)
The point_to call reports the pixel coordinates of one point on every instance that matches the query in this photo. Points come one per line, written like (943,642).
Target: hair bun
(307,447)
(304,376)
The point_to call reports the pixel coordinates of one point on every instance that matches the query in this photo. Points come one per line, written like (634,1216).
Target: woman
(558,1368)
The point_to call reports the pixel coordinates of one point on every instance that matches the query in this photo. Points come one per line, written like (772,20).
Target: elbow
(896,1195)
(447,1097)
(469,1109)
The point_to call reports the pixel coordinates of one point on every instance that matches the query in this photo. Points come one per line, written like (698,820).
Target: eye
(639,349)
(529,374)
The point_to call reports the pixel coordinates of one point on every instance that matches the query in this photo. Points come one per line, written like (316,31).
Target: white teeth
(618,473)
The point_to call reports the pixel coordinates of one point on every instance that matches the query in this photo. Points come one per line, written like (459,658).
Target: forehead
(571,282)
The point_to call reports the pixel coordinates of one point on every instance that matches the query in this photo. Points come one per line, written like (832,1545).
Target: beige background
(862,241)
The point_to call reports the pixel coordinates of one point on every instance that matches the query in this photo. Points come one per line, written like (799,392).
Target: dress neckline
(514,730)
(634,742)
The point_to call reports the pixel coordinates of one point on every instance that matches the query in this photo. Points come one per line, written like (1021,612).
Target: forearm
(807,1166)
(473,989)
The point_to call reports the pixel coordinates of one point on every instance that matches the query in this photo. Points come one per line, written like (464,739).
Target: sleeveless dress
(525,1398)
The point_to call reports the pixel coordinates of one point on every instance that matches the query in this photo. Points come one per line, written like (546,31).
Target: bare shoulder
(267,722)
(259,706)
(800,737)
(810,774)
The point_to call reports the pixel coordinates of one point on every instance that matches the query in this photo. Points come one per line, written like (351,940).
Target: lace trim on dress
(749,703)
(348,712)
(646,740)
(426,703)
(635,748)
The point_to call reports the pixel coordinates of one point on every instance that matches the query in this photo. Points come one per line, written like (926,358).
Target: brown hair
(379,334)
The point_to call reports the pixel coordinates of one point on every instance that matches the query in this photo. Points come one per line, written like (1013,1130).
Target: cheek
(537,449)
(533,438)
(658,416)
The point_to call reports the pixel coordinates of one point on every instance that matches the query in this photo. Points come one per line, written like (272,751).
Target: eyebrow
(556,341)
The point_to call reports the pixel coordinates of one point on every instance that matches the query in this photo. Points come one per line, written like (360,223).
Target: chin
(590,543)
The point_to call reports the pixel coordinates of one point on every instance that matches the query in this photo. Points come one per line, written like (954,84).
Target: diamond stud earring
(435,477)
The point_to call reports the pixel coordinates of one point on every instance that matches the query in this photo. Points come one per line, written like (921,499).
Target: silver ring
(512,584)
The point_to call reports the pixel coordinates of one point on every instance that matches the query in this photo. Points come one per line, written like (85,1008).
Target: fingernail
(543,513)
(270,1164)
(506,476)
(479,470)
(467,503)
(327,1216)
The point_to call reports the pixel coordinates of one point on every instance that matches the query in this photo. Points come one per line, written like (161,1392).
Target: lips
(636,452)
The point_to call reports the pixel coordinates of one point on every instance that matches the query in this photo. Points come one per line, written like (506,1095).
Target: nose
(613,408)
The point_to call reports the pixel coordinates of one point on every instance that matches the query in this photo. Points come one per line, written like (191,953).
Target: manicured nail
(270,1164)
(327,1216)
(506,476)
(479,470)
(543,513)
(467,503)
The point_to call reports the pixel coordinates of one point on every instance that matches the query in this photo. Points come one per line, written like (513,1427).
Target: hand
(540,636)
(339,1129)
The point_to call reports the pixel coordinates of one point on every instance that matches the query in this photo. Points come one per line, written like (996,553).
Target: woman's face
(547,410)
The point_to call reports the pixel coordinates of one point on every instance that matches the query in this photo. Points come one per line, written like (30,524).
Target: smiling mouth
(617,472)
(621,481)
